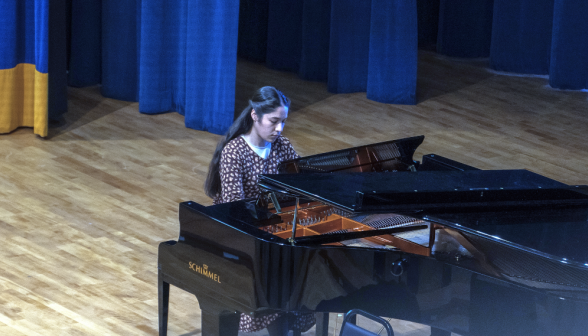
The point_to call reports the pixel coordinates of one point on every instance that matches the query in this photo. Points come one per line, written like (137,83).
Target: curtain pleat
(162,84)
(521,36)
(24,65)
(120,57)
(374,48)
(211,66)
(393,52)
(569,50)
(188,59)
(465,28)
(349,45)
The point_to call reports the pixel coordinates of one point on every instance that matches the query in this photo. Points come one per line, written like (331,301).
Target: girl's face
(271,125)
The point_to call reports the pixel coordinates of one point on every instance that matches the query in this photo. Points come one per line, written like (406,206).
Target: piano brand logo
(204,271)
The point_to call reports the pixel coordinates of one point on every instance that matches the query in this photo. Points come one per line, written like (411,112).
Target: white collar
(263,152)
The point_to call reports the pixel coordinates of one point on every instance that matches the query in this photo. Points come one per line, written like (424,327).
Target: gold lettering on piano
(204,271)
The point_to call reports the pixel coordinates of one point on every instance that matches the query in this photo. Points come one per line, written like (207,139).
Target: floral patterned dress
(239,170)
(240,167)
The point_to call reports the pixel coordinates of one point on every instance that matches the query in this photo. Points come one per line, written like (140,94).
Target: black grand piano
(438,242)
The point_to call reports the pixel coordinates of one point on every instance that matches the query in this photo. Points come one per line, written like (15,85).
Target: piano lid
(393,155)
(555,232)
(430,191)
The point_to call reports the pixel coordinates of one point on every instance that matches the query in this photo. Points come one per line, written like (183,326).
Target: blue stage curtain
(211,64)
(569,50)
(521,36)
(465,28)
(120,22)
(181,55)
(287,35)
(24,65)
(188,60)
(162,81)
(167,55)
(393,52)
(349,45)
(337,42)
(372,47)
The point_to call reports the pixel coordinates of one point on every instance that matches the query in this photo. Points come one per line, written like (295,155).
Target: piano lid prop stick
(275,202)
(294,222)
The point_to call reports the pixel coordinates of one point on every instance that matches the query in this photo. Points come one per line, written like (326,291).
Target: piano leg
(216,320)
(163,298)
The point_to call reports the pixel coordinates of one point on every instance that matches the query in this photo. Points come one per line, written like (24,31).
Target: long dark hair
(265,100)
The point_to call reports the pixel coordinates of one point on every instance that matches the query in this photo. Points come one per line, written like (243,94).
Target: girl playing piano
(254,145)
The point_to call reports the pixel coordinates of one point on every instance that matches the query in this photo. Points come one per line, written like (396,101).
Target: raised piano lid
(515,208)
(393,155)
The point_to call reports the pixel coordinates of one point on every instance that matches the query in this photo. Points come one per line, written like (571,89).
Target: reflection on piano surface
(460,249)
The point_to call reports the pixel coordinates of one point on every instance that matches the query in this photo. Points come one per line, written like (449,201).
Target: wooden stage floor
(83,211)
